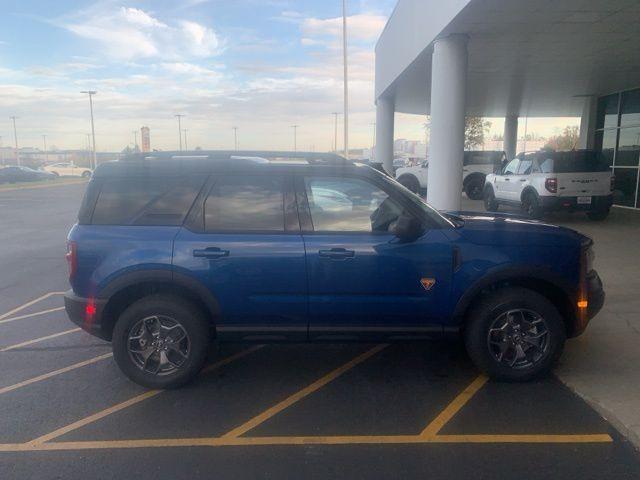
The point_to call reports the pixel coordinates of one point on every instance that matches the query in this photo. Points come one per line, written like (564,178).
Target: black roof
(205,161)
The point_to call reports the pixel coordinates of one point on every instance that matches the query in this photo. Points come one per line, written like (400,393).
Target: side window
(245,203)
(339,204)
(525,167)
(145,201)
(546,166)
(511,168)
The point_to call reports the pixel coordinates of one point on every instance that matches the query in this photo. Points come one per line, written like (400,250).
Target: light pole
(1,149)
(44,144)
(295,137)
(346,84)
(15,137)
(335,131)
(373,143)
(235,137)
(186,145)
(179,117)
(135,140)
(91,93)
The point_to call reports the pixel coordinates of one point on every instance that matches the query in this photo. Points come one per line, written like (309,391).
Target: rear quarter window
(575,162)
(145,200)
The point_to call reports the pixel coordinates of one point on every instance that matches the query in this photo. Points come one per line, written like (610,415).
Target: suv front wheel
(161,341)
(514,334)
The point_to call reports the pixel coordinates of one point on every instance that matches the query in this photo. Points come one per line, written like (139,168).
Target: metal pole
(335,131)
(15,137)
(346,84)
(91,93)
(179,117)
(373,144)
(46,155)
(135,139)
(235,138)
(295,137)
(186,146)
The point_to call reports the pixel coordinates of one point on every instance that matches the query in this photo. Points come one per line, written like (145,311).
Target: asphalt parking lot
(274,411)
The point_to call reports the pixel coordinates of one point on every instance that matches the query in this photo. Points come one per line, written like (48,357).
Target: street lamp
(44,143)
(135,140)
(346,84)
(179,117)
(15,137)
(373,144)
(235,137)
(295,137)
(335,131)
(186,146)
(91,93)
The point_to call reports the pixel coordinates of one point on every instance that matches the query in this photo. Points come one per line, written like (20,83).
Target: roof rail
(258,156)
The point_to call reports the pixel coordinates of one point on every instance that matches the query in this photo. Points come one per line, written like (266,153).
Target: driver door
(504,181)
(363,281)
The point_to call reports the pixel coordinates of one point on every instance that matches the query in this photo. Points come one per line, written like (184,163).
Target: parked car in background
(14,174)
(68,169)
(476,166)
(168,256)
(538,182)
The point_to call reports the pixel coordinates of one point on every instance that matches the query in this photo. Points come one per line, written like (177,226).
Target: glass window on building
(606,143)
(630,108)
(628,153)
(626,182)
(607,112)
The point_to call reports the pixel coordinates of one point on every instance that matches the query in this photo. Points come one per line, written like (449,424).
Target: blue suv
(173,251)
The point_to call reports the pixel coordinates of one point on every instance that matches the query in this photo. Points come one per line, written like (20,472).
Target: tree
(568,140)
(475,130)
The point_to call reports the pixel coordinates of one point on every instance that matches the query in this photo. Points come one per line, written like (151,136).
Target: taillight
(551,184)
(613,182)
(72,258)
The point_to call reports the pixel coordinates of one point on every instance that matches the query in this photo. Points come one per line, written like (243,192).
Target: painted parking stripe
(303,440)
(29,315)
(41,339)
(454,407)
(45,376)
(28,304)
(132,401)
(321,382)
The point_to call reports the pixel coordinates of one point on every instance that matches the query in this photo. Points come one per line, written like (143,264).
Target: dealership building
(512,59)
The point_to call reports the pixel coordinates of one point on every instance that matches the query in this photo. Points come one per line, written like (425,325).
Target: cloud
(129,33)
(362,27)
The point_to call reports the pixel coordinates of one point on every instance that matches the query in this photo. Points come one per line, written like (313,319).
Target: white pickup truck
(578,180)
(476,166)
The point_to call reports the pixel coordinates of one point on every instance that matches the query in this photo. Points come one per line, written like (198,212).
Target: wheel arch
(558,292)
(130,288)
(529,190)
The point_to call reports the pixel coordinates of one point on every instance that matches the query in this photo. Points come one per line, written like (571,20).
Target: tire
(531,206)
(86,174)
(189,352)
(410,183)
(473,189)
(483,335)
(56,174)
(598,215)
(490,202)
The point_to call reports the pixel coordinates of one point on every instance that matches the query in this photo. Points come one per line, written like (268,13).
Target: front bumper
(602,202)
(87,314)
(595,296)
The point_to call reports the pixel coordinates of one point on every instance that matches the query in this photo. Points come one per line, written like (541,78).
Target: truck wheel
(531,205)
(86,174)
(598,215)
(473,189)
(410,183)
(514,334)
(490,202)
(161,341)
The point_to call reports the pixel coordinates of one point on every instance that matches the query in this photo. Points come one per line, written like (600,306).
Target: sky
(259,65)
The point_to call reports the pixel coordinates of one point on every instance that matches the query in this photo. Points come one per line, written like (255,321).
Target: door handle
(211,252)
(337,253)
(523,179)
(507,179)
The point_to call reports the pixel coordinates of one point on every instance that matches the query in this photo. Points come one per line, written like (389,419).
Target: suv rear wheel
(514,334)
(473,188)
(598,215)
(161,341)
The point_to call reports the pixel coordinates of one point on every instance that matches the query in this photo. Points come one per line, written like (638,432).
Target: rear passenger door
(245,246)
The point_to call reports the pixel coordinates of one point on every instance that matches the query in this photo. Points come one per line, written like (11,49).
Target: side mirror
(407,228)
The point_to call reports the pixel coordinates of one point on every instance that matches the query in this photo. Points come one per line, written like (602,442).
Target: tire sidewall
(192,320)
(483,315)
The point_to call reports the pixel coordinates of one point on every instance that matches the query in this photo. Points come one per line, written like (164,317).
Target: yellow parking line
(132,401)
(45,376)
(454,407)
(302,440)
(36,340)
(258,419)
(28,315)
(28,304)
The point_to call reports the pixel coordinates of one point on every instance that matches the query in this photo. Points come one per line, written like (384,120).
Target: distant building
(146,139)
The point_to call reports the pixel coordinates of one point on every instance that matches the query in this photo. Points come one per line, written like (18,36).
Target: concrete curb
(42,185)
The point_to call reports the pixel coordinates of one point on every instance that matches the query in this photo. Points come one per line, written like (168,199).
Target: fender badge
(427,283)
